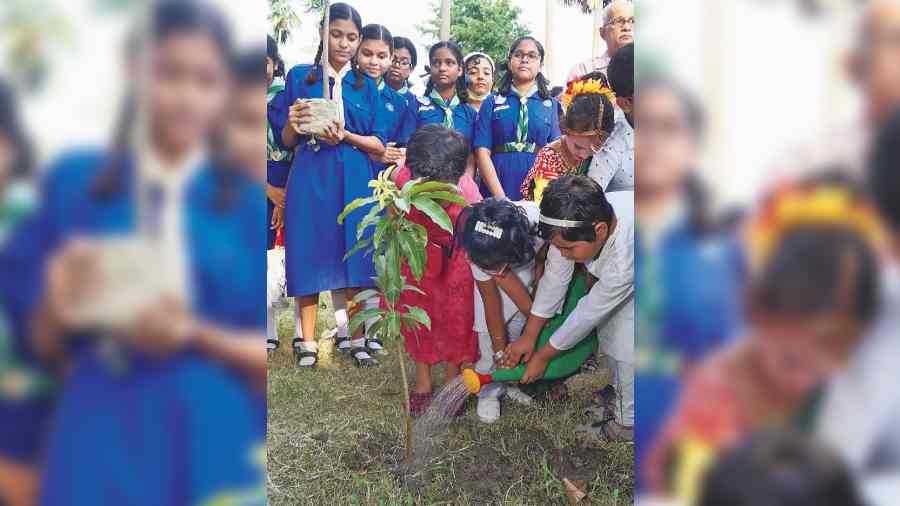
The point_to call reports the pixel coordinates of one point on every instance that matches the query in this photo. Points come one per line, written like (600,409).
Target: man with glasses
(617,30)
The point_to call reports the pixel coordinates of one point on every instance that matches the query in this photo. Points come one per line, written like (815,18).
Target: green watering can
(563,365)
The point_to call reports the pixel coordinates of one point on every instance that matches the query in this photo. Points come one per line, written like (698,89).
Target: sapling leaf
(352,206)
(370,219)
(360,317)
(419,315)
(415,255)
(361,244)
(434,211)
(365,295)
(454,198)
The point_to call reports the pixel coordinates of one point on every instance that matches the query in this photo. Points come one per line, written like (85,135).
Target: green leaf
(452,197)
(429,186)
(418,314)
(370,219)
(377,331)
(437,213)
(402,204)
(380,229)
(414,252)
(352,206)
(360,317)
(381,272)
(394,279)
(361,244)
(413,289)
(392,323)
(365,295)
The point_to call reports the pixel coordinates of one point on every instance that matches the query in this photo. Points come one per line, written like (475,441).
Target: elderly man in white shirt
(583,226)
(617,30)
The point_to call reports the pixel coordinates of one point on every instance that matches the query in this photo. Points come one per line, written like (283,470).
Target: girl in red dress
(439,154)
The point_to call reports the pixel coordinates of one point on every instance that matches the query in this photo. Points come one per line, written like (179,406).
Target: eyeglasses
(401,63)
(523,56)
(621,22)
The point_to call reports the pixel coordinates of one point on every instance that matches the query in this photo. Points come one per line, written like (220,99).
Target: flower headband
(825,206)
(587,87)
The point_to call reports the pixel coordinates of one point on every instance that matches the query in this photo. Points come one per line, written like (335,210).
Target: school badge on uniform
(389,106)
(548,103)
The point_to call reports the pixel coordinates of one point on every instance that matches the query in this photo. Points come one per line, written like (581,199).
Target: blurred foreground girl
(814,292)
(172,394)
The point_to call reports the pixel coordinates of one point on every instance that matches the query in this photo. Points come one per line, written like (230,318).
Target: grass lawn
(335,436)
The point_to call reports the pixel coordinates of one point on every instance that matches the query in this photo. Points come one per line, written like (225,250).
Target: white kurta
(609,306)
(613,165)
(860,413)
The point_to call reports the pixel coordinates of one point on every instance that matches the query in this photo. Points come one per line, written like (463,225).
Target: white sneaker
(514,393)
(488,409)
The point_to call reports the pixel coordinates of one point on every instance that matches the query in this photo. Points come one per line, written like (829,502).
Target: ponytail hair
(542,82)
(454,48)
(338,10)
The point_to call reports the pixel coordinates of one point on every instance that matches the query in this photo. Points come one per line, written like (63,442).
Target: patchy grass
(335,436)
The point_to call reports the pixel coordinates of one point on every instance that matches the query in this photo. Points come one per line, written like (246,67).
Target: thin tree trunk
(407,455)
(445,19)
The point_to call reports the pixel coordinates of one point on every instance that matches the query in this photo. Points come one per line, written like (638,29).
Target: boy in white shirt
(585,226)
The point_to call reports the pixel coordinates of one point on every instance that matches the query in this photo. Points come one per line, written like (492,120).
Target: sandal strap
(376,341)
(272,343)
(360,350)
(306,354)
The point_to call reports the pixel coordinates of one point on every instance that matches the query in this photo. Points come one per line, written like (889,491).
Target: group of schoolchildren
(170,407)
(546,200)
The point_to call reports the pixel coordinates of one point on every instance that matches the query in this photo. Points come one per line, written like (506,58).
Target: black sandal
(300,354)
(272,345)
(379,350)
(362,357)
(338,341)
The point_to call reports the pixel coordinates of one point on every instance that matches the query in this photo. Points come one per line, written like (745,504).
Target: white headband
(563,223)
(478,53)
(488,229)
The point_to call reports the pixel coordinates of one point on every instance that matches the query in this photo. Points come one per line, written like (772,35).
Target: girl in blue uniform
(403,63)
(445,98)
(24,395)
(278,159)
(172,411)
(278,165)
(374,59)
(516,122)
(328,173)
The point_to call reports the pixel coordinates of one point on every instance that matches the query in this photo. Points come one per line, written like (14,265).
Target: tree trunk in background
(445,19)
(548,40)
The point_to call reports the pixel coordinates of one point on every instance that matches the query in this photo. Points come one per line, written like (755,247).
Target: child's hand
(276,195)
(334,134)
(164,328)
(71,275)
(535,369)
(515,352)
(299,115)
(277,218)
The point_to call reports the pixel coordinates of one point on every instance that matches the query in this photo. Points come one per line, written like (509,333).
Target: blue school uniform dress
(322,181)
(399,118)
(462,118)
(515,138)
(689,290)
(26,388)
(278,159)
(138,430)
